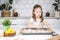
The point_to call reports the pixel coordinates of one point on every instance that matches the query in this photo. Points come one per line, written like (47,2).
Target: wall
(24,7)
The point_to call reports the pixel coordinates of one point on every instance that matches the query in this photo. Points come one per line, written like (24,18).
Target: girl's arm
(32,25)
(47,24)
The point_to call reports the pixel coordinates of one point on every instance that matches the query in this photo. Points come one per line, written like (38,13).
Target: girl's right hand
(37,26)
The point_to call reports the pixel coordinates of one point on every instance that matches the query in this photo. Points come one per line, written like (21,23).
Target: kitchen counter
(27,37)
(19,36)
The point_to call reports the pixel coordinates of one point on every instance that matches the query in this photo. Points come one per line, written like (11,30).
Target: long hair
(34,16)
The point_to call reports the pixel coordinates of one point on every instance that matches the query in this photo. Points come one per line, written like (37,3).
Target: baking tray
(36,33)
(41,33)
(36,28)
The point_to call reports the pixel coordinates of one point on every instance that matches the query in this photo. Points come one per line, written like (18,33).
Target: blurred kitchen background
(20,11)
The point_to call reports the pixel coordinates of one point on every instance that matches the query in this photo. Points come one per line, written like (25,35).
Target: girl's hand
(37,26)
(47,24)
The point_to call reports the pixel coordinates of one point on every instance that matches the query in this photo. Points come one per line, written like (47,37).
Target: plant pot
(5,13)
(57,14)
(6,27)
(9,32)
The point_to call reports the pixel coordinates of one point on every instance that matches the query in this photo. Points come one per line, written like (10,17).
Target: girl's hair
(34,17)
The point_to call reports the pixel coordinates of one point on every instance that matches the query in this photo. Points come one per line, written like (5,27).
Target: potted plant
(6,23)
(6,6)
(8,30)
(57,5)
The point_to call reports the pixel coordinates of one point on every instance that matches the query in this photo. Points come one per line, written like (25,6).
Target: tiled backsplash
(24,7)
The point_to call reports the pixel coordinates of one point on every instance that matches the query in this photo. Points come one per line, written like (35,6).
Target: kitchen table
(27,37)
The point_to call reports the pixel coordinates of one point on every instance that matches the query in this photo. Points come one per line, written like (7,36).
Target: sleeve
(31,20)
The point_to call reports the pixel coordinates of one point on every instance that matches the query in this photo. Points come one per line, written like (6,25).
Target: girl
(37,20)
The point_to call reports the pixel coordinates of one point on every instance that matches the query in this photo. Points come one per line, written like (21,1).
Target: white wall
(3,1)
(24,7)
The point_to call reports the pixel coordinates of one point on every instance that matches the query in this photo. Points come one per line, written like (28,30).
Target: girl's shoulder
(31,19)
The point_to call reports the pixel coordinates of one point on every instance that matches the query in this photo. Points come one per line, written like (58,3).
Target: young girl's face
(37,12)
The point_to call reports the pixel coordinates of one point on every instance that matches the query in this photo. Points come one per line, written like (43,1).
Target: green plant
(56,5)
(2,6)
(6,22)
(7,6)
(10,1)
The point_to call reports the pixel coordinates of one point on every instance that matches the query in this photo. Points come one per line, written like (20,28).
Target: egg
(33,31)
(29,31)
(48,30)
(24,30)
(38,31)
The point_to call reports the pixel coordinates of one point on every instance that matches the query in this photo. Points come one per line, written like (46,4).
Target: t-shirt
(38,22)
